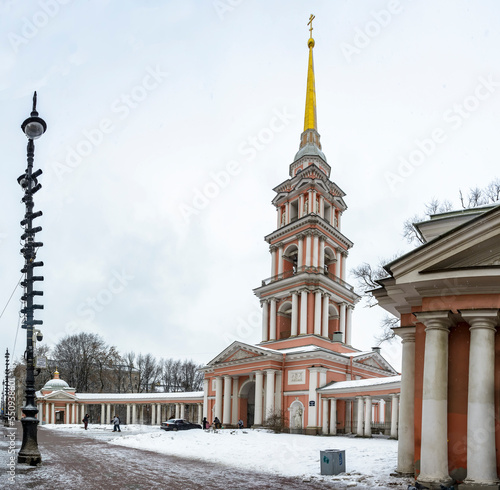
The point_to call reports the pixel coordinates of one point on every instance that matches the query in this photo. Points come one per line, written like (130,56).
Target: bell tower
(307,301)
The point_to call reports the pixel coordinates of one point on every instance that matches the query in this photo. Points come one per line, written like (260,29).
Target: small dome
(55,383)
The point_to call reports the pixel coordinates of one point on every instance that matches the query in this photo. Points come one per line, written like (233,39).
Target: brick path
(71,462)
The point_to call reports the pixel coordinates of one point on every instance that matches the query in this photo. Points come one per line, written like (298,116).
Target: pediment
(482,253)
(60,395)
(240,352)
(375,361)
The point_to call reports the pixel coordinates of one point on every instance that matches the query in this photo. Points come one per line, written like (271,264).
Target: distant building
(305,365)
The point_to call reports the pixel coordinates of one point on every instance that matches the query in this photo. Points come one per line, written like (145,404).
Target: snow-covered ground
(369,462)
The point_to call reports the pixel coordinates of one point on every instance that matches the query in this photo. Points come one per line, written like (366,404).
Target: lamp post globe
(33,127)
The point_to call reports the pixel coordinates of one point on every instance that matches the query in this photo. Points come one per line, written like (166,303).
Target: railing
(308,270)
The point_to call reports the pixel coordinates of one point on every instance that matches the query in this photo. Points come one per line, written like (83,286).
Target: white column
(265,321)
(342,321)
(134,413)
(308,249)
(234,408)
(311,204)
(218,398)
(348,325)
(326,302)
(73,413)
(343,267)
(406,434)
(368,416)
(108,413)
(287,211)
(322,254)
(278,388)
(66,414)
(325,414)
(314,208)
(394,416)
(481,455)
(273,260)
(280,260)
(348,417)
(295,313)
(82,412)
(303,312)
(259,378)
(360,406)
(205,398)
(301,206)
(315,257)
(269,392)
(182,411)
(272,320)
(226,414)
(178,411)
(153,413)
(322,206)
(313,384)
(333,416)
(317,313)
(103,413)
(434,441)
(300,252)
(158,414)
(200,413)
(128,414)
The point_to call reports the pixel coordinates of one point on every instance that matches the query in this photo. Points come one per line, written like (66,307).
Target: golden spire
(310,116)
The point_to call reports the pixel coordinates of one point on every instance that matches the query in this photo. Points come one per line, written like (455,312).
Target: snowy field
(369,462)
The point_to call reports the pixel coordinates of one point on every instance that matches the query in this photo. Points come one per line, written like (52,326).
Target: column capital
(481,318)
(273,248)
(300,236)
(227,376)
(279,244)
(435,320)
(407,334)
(258,373)
(264,302)
(269,371)
(318,369)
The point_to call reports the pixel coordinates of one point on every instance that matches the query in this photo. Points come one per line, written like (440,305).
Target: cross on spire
(310,23)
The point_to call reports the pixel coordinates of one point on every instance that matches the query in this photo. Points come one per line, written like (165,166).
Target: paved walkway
(87,464)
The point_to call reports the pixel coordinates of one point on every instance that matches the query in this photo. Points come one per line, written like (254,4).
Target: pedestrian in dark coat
(86,420)
(116,424)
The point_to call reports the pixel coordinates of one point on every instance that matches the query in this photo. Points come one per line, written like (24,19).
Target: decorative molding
(297,377)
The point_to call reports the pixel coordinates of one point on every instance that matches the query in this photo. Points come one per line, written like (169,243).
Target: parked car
(179,424)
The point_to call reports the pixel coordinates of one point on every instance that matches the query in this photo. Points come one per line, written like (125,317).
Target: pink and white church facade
(305,365)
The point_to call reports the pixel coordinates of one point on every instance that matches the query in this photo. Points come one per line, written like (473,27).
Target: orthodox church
(305,366)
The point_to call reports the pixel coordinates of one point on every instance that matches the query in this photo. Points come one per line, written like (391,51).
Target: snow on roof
(361,383)
(136,396)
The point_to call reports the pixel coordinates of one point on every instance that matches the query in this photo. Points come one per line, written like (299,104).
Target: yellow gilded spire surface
(310,116)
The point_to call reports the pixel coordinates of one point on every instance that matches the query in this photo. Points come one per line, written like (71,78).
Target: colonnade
(299,324)
(268,383)
(309,203)
(481,451)
(363,408)
(74,412)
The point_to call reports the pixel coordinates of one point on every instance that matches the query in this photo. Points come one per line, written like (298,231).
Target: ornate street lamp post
(33,127)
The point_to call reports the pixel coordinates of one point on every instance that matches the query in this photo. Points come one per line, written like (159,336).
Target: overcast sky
(169,124)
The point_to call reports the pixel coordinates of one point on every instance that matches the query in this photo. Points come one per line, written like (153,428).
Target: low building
(447,295)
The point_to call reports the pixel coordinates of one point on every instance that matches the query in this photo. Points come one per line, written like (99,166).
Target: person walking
(116,424)
(86,420)
(240,424)
(217,423)
(206,425)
